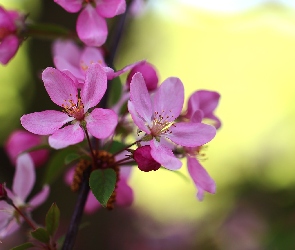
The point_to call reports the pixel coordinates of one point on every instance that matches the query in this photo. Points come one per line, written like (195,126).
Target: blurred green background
(249,58)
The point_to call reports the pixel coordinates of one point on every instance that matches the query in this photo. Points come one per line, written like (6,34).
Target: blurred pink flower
(20,141)
(206,102)
(63,91)
(10,22)
(23,183)
(156,117)
(91,24)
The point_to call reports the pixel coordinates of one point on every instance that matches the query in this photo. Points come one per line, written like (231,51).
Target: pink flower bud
(145,160)
(3,193)
(149,74)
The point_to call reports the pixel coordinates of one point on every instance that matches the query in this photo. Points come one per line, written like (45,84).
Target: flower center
(196,152)
(161,124)
(74,109)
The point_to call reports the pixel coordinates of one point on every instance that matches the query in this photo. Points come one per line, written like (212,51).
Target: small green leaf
(52,219)
(56,165)
(115,91)
(102,184)
(23,246)
(41,234)
(116,147)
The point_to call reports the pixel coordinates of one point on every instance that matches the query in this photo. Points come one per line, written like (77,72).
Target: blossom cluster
(147,125)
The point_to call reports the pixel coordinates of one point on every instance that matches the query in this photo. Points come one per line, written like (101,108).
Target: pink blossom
(20,141)
(205,102)
(91,24)
(156,117)
(74,61)
(66,128)
(23,182)
(10,22)
(144,159)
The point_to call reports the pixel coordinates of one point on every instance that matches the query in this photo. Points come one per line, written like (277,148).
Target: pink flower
(144,159)
(66,128)
(91,24)
(156,117)
(206,102)
(74,61)
(9,41)
(23,182)
(20,141)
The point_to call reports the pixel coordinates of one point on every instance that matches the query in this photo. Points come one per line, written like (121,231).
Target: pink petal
(11,227)
(140,98)
(45,122)
(137,119)
(91,28)
(110,8)
(89,56)
(21,140)
(197,116)
(125,194)
(65,66)
(59,86)
(67,50)
(71,6)
(92,204)
(201,178)
(69,135)
(69,175)
(39,198)
(164,156)
(101,123)
(8,48)
(125,69)
(24,177)
(191,134)
(94,87)
(6,21)
(168,99)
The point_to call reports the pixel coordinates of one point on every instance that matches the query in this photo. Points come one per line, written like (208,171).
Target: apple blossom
(66,128)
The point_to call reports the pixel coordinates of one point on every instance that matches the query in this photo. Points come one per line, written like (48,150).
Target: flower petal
(24,177)
(92,204)
(140,98)
(91,28)
(164,156)
(190,134)
(94,87)
(59,86)
(168,99)
(8,47)
(45,122)
(71,6)
(6,20)
(137,119)
(145,161)
(125,69)
(101,123)
(91,55)
(110,8)
(69,135)
(39,198)
(201,178)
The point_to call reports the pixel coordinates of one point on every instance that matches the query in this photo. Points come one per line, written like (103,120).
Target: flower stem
(91,149)
(22,214)
(130,145)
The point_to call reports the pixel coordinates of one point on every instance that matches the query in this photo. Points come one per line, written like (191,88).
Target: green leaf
(41,234)
(52,219)
(102,184)
(115,91)
(56,165)
(23,246)
(116,147)
(71,158)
